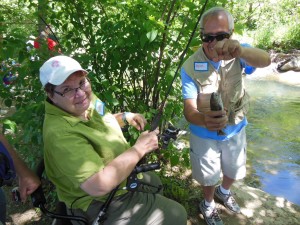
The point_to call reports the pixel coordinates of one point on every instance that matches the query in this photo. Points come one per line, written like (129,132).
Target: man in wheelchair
(87,157)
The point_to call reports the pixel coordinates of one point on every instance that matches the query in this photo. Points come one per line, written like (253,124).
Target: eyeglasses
(70,92)
(210,38)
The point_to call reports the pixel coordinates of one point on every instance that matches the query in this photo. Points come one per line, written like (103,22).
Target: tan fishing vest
(228,82)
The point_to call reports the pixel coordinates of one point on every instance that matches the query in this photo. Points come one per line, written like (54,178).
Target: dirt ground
(21,214)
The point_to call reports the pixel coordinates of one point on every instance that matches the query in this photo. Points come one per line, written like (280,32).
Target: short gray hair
(217,11)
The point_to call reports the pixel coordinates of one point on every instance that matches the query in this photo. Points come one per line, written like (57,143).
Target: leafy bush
(131,48)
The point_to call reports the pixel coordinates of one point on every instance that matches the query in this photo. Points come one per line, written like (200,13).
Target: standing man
(217,67)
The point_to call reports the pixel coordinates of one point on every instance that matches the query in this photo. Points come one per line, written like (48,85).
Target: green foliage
(177,157)
(273,25)
(176,189)
(9,126)
(131,49)
(28,139)
(285,40)
(128,49)
(178,185)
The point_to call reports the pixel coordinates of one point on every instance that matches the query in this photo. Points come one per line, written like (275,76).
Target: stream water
(273,136)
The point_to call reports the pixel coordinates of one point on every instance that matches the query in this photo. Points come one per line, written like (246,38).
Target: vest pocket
(238,110)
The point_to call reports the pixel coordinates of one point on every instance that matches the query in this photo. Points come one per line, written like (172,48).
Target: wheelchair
(60,216)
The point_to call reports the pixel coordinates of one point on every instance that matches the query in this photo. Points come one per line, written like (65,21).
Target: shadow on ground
(257,208)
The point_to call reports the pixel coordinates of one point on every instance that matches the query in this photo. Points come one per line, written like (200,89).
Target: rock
(286,61)
(291,63)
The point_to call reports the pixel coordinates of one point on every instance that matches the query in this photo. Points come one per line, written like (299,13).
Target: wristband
(124,117)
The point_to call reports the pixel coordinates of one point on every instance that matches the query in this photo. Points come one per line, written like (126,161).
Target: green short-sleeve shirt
(74,150)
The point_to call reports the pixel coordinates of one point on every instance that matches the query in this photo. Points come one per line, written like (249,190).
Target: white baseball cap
(57,69)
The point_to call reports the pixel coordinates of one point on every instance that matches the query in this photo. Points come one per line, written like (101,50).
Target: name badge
(100,107)
(201,66)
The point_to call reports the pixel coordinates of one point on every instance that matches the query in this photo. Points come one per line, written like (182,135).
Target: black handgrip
(146,167)
(38,197)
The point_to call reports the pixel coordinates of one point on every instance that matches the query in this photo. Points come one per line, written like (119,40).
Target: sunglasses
(210,38)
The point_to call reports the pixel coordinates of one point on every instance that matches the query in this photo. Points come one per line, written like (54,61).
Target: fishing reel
(170,133)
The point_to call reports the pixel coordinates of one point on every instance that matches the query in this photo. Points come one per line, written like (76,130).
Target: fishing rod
(157,117)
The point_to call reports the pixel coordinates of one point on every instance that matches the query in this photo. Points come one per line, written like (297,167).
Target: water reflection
(284,183)
(273,136)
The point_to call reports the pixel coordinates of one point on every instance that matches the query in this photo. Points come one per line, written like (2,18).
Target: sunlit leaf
(152,35)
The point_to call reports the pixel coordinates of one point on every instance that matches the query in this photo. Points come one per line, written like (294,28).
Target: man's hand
(225,50)
(215,120)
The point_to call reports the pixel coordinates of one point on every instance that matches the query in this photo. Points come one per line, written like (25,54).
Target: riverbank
(270,73)
(257,208)
(260,208)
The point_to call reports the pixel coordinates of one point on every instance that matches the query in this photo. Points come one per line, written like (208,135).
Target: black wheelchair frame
(39,201)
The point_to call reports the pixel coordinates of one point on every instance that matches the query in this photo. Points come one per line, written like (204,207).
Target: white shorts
(210,158)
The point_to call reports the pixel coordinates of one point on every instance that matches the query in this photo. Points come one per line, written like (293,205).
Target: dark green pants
(141,207)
